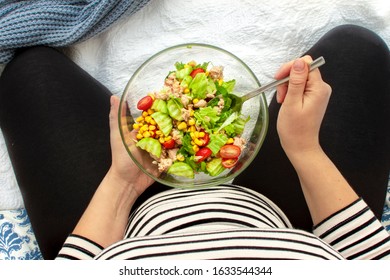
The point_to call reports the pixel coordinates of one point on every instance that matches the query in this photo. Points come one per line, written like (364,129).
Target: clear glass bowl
(150,77)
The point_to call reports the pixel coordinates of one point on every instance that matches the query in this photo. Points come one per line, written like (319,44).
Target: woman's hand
(304,100)
(123,167)
(105,219)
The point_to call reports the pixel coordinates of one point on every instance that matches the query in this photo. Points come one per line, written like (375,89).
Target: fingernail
(299,65)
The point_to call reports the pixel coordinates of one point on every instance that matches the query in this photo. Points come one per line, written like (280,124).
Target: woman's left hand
(123,168)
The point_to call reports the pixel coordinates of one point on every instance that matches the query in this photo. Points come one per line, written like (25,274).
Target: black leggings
(54,118)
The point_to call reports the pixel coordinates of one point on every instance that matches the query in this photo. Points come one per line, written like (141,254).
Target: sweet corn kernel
(145,127)
(159,132)
(192,63)
(220,81)
(139,136)
(168,138)
(230,141)
(161,139)
(152,133)
(196,134)
(152,127)
(191,122)
(148,119)
(146,134)
(192,134)
(198,142)
(202,134)
(186,66)
(182,126)
(153,122)
(180,157)
(191,113)
(144,114)
(150,111)
(186,90)
(192,128)
(136,126)
(151,94)
(195,100)
(207,73)
(192,143)
(195,148)
(140,119)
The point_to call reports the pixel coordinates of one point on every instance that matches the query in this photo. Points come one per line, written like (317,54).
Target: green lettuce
(186,147)
(216,142)
(229,85)
(215,167)
(186,71)
(186,81)
(236,127)
(228,121)
(198,86)
(206,117)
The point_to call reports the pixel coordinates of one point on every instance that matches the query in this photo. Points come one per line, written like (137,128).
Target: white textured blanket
(264,34)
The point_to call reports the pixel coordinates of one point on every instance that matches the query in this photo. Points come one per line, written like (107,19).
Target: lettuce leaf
(229,85)
(236,127)
(174,107)
(186,81)
(186,71)
(216,142)
(198,86)
(207,117)
(239,124)
(179,65)
(204,66)
(228,121)
(215,167)
(186,145)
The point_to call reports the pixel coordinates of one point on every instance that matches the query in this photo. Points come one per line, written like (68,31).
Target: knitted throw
(56,23)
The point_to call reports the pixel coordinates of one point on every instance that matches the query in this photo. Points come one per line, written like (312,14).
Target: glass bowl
(150,76)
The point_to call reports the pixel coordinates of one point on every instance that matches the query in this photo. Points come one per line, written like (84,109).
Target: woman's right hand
(304,101)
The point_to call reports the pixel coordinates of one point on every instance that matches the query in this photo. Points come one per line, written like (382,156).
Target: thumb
(297,83)
(114,121)
(113,112)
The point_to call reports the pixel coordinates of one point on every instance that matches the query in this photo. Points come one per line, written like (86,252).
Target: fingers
(288,69)
(297,83)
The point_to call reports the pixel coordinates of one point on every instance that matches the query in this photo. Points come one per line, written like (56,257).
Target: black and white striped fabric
(232,222)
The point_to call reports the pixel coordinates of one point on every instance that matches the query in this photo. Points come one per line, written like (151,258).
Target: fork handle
(313,65)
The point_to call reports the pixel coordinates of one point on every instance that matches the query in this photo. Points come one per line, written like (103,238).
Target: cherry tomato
(203,153)
(170,144)
(145,103)
(196,71)
(229,162)
(230,151)
(205,139)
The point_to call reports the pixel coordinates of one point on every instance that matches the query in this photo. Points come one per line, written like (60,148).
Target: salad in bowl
(180,108)
(190,125)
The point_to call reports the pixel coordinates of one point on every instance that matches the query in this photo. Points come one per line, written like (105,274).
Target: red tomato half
(170,144)
(145,103)
(196,71)
(230,151)
(203,153)
(229,162)
(205,139)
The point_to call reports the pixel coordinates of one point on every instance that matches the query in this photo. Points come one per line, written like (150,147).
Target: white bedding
(264,34)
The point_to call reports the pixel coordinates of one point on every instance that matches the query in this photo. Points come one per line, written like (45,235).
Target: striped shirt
(233,222)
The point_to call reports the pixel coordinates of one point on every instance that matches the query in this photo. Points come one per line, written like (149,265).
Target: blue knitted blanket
(56,23)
